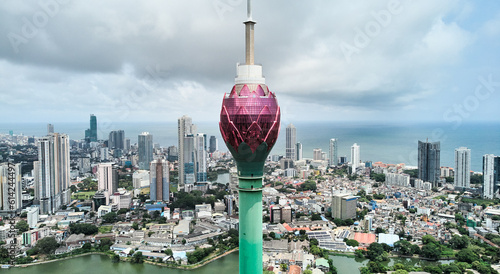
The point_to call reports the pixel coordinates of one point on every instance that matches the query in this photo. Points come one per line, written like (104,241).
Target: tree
(426,239)
(431,251)
(22,226)
(316,217)
(47,245)
(135,226)
(110,217)
(404,247)
(73,188)
(115,258)
(379,230)
(283,267)
(459,242)
(467,255)
(352,242)
(87,246)
(359,254)
(376,252)
(169,252)
(87,229)
(137,258)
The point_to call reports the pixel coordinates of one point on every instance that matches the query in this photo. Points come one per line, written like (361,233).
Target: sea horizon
(391,142)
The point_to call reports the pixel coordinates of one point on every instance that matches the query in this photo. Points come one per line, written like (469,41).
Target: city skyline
(388,59)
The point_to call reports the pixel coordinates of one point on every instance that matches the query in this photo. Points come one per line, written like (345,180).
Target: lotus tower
(250,124)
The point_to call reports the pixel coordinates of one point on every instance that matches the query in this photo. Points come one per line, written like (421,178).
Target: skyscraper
(201,158)
(317,154)
(184,127)
(116,139)
(355,157)
(10,188)
(429,162)
(333,158)
(213,144)
(462,168)
(53,172)
(188,157)
(50,129)
(491,175)
(145,143)
(298,151)
(91,133)
(291,140)
(159,187)
(107,179)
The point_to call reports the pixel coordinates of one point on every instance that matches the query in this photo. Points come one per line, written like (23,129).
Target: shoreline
(183,267)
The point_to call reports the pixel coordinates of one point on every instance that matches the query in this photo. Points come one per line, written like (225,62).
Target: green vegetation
(87,229)
(22,226)
(307,185)
(378,177)
(105,229)
(482,202)
(412,172)
(111,217)
(199,254)
(82,195)
(88,184)
(476,179)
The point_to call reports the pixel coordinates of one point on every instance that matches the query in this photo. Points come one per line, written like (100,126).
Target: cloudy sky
(325,60)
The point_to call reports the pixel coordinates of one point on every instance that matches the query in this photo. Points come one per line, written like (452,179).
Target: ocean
(388,143)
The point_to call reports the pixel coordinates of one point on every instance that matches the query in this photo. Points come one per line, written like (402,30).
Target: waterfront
(226,264)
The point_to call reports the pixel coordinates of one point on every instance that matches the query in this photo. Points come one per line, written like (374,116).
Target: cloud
(155,60)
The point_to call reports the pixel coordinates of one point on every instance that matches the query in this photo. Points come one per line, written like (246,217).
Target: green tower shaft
(250,224)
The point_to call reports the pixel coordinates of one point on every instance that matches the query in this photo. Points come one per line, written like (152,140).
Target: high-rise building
(317,154)
(52,170)
(333,158)
(355,157)
(291,140)
(462,168)
(344,206)
(10,188)
(201,158)
(159,186)
(213,144)
(116,139)
(188,157)
(145,142)
(50,129)
(91,133)
(127,144)
(185,127)
(173,154)
(298,151)
(107,179)
(491,175)
(429,154)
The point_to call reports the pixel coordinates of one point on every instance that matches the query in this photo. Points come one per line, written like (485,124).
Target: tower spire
(249,38)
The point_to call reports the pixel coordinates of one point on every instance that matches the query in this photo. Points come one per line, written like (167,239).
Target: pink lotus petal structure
(250,114)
